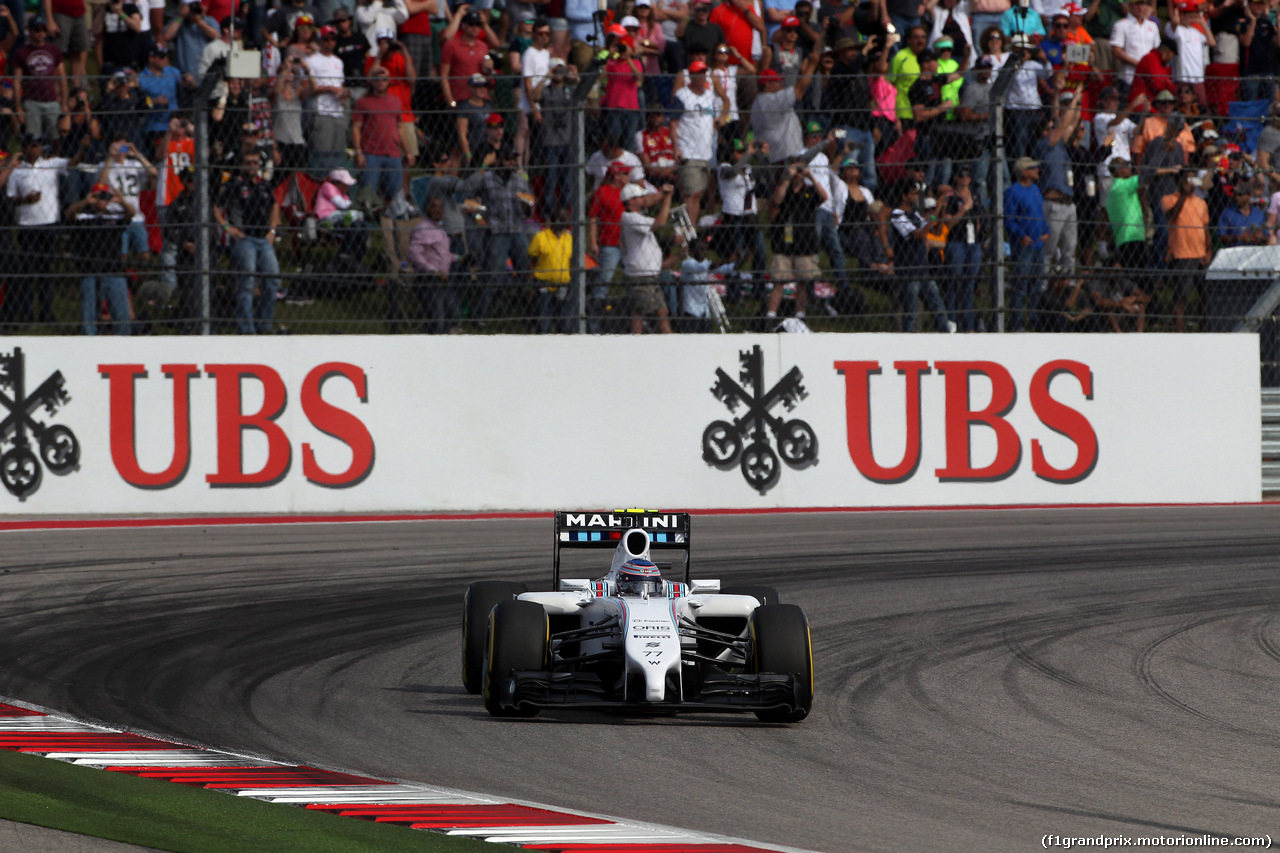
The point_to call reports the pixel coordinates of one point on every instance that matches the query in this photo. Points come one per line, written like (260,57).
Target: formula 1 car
(633,640)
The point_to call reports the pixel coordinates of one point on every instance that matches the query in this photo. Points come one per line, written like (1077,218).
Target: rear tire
(781,643)
(478,600)
(762,594)
(517,640)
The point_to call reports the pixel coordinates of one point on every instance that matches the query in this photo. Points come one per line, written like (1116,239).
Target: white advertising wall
(409,424)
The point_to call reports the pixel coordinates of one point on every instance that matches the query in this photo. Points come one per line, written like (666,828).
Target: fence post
(578,266)
(998,229)
(204,207)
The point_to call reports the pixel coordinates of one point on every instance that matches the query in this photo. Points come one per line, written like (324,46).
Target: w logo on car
(744,442)
(20,468)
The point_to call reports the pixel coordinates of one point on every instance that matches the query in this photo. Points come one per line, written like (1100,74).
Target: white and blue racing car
(632,639)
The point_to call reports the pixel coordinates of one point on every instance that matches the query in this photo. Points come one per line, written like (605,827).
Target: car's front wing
(718,692)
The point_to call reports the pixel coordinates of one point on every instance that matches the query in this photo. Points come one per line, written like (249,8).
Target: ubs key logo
(745,441)
(20,432)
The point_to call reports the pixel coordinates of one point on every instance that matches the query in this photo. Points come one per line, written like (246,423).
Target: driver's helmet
(638,577)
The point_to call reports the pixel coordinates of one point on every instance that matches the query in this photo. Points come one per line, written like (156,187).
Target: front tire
(478,600)
(519,633)
(781,645)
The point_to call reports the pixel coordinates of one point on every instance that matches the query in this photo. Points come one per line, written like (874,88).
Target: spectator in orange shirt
(1190,250)
(1154,125)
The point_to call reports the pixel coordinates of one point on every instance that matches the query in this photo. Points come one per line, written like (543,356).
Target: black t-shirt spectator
(352,50)
(1258,59)
(968,229)
(97,242)
(121,45)
(927,93)
(847,95)
(705,37)
(1231,20)
(248,204)
(794,230)
(122,116)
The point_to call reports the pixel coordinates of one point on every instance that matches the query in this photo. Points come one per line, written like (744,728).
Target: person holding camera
(121,35)
(187,34)
(99,221)
(794,234)
(741,212)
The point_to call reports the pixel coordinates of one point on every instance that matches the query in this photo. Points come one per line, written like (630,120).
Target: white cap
(930,203)
(631,191)
(342,176)
(386,33)
(630,21)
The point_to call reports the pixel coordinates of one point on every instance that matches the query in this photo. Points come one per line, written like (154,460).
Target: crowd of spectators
(787,157)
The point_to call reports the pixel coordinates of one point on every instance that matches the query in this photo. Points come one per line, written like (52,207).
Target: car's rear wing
(603,529)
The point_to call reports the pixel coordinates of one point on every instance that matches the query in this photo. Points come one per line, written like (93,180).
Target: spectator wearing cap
(373,16)
(121,44)
(846,99)
(335,210)
(1154,126)
(33,189)
(122,109)
(1190,249)
(39,81)
(703,112)
(1023,108)
(1112,135)
(971,130)
(159,81)
(1027,232)
(1057,186)
(282,22)
(557,106)
(623,77)
(68,22)
(773,115)
(928,114)
(494,143)
(393,57)
(465,54)
(1243,223)
(1128,225)
(700,33)
(951,21)
(471,115)
(604,234)
(376,137)
(1188,30)
(909,229)
(326,83)
(1154,73)
(187,34)
(99,221)
(740,217)
(776,13)
(1258,37)
(642,256)
(1022,20)
(786,54)
(303,41)
(352,49)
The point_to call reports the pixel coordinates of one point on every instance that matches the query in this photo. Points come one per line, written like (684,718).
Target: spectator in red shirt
(743,29)
(402,72)
(465,54)
(657,149)
(604,233)
(1154,72)
(375,134)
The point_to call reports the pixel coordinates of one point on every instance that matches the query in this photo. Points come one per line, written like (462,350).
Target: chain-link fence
(609,200)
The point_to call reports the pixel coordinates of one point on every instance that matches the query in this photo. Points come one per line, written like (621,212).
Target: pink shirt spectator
(884,95)
(621,91)
(429,248)
(330,200)
(658,41)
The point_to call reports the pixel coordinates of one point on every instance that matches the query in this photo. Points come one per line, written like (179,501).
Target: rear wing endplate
(603,529)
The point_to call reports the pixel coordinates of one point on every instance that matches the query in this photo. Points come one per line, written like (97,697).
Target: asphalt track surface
(984,678)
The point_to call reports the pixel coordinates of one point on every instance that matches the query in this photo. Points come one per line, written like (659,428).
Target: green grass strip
(168,816)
